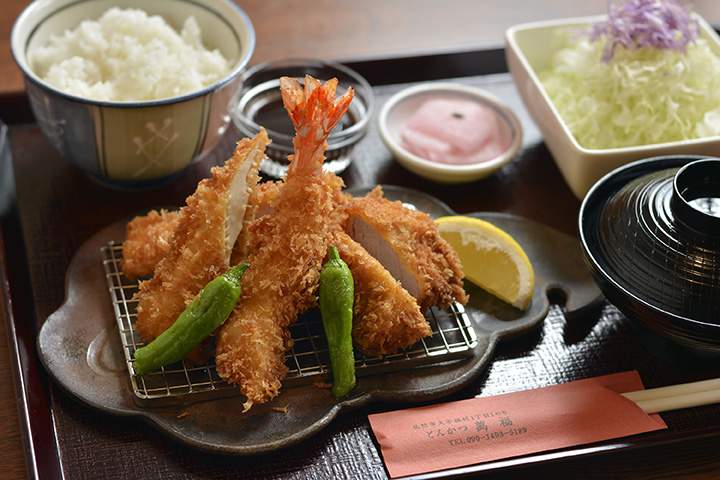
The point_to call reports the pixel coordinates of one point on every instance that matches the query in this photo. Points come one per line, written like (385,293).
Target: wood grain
(12,463)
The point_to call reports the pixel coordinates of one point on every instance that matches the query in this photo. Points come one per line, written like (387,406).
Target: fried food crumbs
(322,385)
(182,415)
(283,410)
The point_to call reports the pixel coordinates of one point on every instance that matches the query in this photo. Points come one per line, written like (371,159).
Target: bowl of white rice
(130,91)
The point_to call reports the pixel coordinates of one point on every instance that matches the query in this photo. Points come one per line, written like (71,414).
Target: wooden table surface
(345,29)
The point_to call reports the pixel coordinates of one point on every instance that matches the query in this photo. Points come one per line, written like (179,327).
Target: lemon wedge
(491,258)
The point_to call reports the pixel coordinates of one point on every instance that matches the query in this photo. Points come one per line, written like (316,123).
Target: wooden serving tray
(59,209)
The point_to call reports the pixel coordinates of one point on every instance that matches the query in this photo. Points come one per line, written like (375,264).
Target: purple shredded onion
(646,23)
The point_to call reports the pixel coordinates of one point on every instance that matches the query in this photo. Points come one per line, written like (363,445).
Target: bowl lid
(653,229)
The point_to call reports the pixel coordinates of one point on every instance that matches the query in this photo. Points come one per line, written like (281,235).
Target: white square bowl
(529,52)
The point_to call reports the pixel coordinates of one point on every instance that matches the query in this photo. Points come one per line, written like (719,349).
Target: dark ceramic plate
(80,347)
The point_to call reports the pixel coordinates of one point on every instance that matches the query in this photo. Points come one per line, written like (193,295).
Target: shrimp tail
(314,110)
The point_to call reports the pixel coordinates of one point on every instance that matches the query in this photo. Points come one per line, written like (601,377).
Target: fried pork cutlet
(202,244)
(148,239)
(407,243)
(386,317)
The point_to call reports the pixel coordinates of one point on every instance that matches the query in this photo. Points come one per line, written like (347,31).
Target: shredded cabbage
(643,96)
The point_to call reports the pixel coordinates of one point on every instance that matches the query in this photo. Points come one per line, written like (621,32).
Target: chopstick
(675,397)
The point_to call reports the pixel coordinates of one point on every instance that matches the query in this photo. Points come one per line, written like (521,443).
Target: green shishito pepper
(208,310)
(336,308)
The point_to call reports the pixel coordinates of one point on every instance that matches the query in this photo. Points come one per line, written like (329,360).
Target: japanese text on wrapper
(471,428)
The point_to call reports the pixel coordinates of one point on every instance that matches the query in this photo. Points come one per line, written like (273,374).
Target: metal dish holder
(453,338)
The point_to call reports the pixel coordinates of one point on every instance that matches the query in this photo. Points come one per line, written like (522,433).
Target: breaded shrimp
(386,317)
(202,244)
(287,248)
(148,238)
(268,192)
(408,244)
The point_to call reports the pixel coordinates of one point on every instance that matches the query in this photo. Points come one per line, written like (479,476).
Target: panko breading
(286,251)
(400,264)
(268,193)
(207,230)
(148,239)
(386,317)
(407,243)
(287,248)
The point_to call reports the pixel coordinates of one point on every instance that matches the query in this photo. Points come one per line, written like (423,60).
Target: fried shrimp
(203,240)
(287,247)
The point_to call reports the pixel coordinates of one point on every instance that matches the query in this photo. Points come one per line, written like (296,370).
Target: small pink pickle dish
(435,131)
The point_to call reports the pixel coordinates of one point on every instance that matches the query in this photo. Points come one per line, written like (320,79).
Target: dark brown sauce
(272,115)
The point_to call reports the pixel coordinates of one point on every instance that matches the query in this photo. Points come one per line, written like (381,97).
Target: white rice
(128,55)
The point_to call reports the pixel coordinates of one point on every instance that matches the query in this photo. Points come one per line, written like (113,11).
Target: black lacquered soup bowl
(650,234)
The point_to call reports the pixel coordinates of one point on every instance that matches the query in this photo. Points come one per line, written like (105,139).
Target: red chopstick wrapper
(467,432)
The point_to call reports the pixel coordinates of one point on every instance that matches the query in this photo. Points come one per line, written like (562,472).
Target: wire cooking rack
(453,337)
